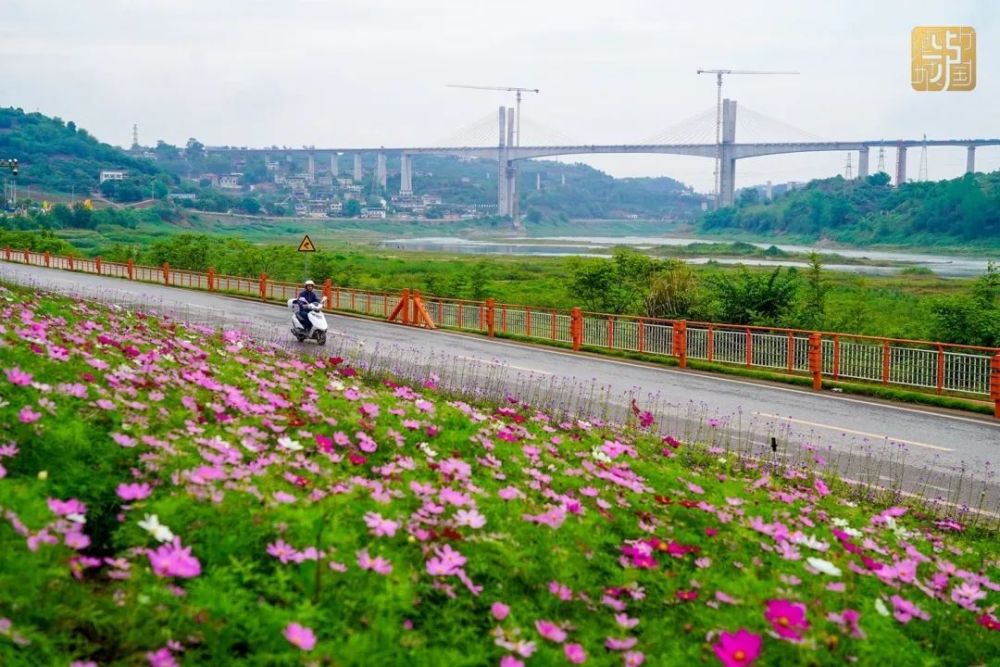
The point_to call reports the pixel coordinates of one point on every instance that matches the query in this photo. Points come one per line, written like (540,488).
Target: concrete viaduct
(507,154)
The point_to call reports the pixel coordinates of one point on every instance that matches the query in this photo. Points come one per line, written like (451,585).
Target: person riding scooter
(308,295)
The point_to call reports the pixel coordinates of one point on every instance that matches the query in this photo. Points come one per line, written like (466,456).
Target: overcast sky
(374,72)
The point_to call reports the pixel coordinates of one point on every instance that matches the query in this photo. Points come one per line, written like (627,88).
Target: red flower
(687,596)
(335,361)
(357,459)
(989,621)
(711,532)
(663,500)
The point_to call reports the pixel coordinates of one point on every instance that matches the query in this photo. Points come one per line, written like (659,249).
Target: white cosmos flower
(76,518)
(812,543)
(152,524)
(599,456)
(824,566)
(880,607)
(337,385)
(289,444)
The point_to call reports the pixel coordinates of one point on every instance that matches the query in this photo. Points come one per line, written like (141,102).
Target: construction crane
(517,90)
(718,116)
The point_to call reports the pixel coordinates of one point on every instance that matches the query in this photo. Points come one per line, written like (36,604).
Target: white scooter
(314,314)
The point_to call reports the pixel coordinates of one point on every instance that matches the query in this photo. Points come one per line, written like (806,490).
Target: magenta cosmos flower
(173,560)
(300,636)
(737,649)
(787,618)
(551,631)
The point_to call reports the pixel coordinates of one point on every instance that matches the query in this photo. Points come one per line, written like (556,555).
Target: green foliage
(750,297)
(61,157)
(972,318)
(673,292)
(960,210)
(813,314)
(615,286)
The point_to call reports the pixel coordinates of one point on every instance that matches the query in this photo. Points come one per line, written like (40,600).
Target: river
(601,246)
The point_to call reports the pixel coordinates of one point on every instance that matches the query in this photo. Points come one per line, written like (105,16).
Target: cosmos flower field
(174,495)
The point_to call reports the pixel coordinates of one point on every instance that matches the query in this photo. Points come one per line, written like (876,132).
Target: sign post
(306,247)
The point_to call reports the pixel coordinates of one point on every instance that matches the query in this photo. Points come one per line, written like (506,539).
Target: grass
(388,516)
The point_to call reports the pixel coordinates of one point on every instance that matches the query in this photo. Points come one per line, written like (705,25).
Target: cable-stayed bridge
(493,138)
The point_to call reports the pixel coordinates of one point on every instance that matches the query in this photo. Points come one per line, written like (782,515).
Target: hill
(173,494)
(58,156)
(960,211)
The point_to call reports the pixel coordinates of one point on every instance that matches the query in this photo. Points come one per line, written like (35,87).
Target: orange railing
(914,364)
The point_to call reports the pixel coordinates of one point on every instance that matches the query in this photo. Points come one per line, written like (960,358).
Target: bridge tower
(507,176)
(727,178)
(922,174)
(863,162)
(359,173)
(334,165)
(970,160)
(405,175)
(381,173)
(900,165)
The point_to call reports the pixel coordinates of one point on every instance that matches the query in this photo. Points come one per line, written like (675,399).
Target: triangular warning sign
(307,245)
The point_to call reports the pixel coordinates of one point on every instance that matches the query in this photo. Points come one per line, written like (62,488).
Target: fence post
(263,287)
(328,292)
(575,328)
(27,256)
(680,342)
(6,253)
(48,258)
(995,384)
(611,333)
(642,336)
(711,343)
(69,261)
(131,269)
(815,360)
(749,348)
(940,369)
(490,318)
(97,265)
(886,361)
(166,273)
(211,279)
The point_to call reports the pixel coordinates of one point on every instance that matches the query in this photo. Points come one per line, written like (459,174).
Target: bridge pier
(405,175)
(900,165)
(510,172)
(863,163)
(380,171)
(311,169)
(970,160)
(727,166)
(359,172)
(334,166)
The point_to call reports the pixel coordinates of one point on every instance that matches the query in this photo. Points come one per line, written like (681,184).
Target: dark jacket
(309,296)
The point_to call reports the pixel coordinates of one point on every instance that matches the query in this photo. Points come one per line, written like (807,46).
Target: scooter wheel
(321,338)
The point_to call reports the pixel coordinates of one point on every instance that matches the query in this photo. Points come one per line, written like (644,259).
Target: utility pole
(848,171)
(718,119)
(13,166)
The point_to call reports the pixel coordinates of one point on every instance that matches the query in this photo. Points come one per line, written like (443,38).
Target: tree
(160,190)
(250,205)
(673,292)
(165,151)
(194,150)
(352,208)
(755,297)
(613,286)
(749,196)
(814,303)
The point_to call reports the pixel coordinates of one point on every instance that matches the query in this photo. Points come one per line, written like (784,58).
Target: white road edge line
(877,436)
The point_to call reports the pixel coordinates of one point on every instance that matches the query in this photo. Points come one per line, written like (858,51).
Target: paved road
(877,440)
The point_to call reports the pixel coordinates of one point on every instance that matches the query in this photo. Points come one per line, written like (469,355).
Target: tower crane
(517,90)
(718,115)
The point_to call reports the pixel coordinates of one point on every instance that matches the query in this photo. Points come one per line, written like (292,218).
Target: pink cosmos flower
(509,493)
(447,562)
(28,416)
(378,564)
(787,619)
(821,488)
(737,649)
(76,540)
(161,658)
(551,631)
(634,658)
(380,527)
(471,518)
(133,491)
(17,377)
(967,594)
(616,644)
(173,560)
(282,551)
(904,610)
(848,619)
(66,507)
(511,661)
(575,653)
(499,610)
(300,636)
(369,410)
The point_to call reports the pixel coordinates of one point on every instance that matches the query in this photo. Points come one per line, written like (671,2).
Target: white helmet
(310,283)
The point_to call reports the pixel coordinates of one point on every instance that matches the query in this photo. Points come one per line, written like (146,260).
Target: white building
(113,175)
(230,181)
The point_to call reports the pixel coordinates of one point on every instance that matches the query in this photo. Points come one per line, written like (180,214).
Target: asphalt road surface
(937,453)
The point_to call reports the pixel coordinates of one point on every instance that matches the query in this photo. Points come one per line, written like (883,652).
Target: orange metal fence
(921,365)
